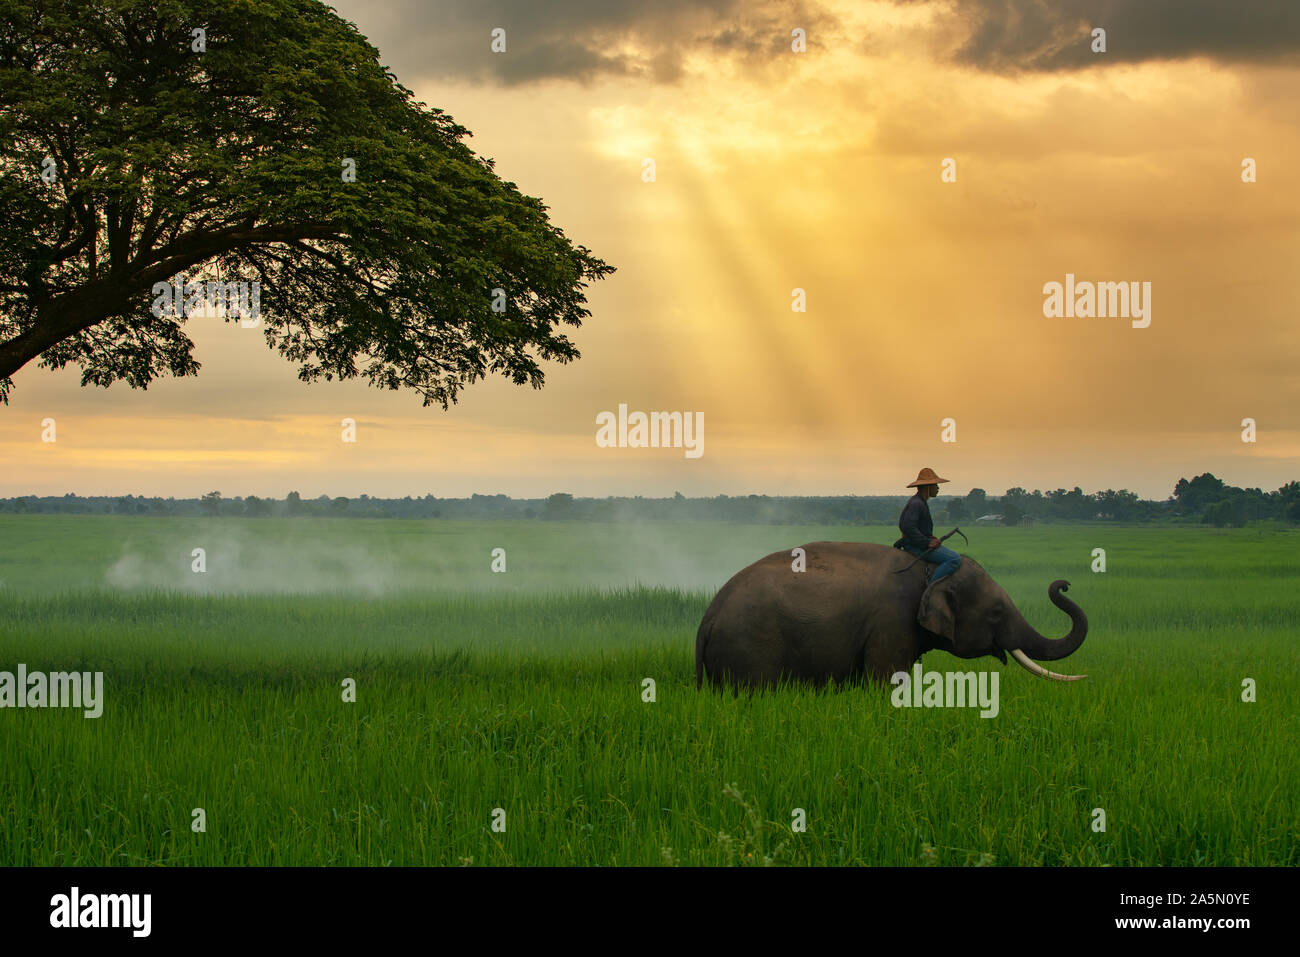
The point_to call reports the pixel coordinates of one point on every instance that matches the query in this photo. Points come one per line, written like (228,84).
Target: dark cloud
(1009,36)
(580,40)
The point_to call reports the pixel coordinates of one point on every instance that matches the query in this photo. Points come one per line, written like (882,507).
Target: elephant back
(834,576)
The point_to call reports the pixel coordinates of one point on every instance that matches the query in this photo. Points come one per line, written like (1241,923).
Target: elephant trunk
(1023,637)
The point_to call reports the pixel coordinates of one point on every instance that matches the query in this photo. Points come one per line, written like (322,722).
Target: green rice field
(500,717)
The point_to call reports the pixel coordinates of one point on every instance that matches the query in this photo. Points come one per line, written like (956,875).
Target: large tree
(134,150)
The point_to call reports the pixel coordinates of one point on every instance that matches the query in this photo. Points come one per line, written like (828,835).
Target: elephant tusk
(1036,668)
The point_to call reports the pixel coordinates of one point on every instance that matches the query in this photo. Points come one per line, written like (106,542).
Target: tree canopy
(144,140)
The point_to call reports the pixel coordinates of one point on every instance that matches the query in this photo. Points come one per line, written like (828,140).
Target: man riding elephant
(918,528)
(858,610)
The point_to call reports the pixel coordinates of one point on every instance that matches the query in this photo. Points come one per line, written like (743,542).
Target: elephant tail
(701,641)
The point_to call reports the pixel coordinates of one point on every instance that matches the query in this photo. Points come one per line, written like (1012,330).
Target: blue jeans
(949,561)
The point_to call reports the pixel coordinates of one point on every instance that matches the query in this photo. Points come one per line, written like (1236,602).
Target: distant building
(988,518)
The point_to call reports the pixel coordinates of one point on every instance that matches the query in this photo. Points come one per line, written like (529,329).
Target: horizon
(952,493)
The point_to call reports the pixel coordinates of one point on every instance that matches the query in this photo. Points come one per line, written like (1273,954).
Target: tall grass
(530,699)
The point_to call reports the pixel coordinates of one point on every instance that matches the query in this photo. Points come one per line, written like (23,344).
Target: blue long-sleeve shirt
(915,523)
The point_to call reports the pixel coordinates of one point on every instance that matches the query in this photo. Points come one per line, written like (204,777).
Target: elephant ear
(938,611)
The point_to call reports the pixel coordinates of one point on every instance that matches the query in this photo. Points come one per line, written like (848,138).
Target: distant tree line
(1204,499)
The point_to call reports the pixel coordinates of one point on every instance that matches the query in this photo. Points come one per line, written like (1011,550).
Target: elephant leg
(888,653)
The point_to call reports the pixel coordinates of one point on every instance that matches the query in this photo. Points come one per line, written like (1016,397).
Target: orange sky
(821,171)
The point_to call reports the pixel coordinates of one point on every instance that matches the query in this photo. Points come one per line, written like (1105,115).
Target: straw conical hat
(926,477)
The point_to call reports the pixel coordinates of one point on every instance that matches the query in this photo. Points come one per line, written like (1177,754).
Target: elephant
(854,613)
